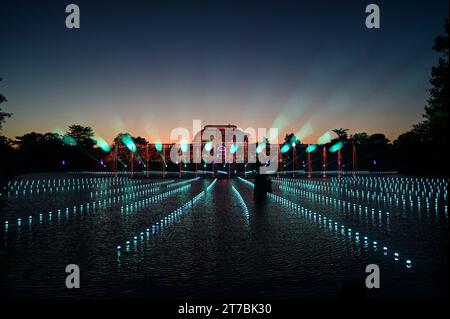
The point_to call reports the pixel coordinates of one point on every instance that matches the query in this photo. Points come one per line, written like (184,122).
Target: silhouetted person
(262,185)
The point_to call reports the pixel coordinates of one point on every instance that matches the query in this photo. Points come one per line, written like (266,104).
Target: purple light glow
(222,149)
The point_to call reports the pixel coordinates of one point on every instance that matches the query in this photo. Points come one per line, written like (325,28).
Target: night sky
(146,67)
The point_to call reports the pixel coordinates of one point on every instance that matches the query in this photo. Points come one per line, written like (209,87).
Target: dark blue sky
(149,66)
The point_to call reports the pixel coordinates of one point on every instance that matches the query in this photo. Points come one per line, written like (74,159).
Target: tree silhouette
(6,150)
(139,141)
(82,134)
(424,149)
(341,133)
(359,138)
(378,139)
(28,141)
(3,115)
(291,138)
(436,110)
(118,139)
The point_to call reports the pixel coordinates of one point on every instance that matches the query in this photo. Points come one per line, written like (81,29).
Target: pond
(201,237)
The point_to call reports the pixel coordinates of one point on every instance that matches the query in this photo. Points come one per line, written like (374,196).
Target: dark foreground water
(222,246)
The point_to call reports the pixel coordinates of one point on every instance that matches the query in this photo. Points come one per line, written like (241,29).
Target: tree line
(422,150)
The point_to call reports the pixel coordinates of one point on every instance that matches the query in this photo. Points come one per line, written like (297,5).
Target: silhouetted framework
(297,159)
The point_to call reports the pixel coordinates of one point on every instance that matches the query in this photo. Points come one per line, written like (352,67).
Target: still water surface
(213,249)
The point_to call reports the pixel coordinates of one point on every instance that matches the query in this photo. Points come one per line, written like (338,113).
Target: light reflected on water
(146,238)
